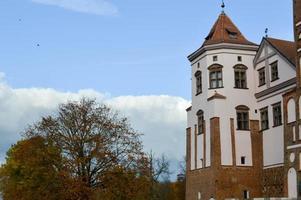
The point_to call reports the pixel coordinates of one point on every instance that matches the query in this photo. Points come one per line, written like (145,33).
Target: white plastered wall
(224,109)
(273,144)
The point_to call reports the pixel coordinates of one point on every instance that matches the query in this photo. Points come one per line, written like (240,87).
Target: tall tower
(297,30)
(224,155)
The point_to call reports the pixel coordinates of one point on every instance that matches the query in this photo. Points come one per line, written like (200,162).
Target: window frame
(215,58)
(261,71)
(242,71)
(277,117)
(216,69)
(201,122)
(274,75)
(198,83)
(242,122)
(264,123)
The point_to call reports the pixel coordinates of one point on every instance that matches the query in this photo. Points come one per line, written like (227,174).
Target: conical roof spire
(225,31)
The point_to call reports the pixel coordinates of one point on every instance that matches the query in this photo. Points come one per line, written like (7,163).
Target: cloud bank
(162,119)
(96,7)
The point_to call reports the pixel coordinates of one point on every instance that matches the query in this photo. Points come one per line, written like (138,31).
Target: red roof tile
(286,48)
(225,31)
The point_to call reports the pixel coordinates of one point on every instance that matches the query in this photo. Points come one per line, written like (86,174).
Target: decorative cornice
(216,96)
(188,109)
(276,88)
(201,50)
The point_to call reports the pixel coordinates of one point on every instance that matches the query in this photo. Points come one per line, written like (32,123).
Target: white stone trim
(294,146)
(273,166)
(299,50)
(298,24)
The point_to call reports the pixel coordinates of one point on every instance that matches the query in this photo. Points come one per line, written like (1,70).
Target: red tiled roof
(225,31)
(286,48)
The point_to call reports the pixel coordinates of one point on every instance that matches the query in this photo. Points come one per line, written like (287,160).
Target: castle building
(244,125)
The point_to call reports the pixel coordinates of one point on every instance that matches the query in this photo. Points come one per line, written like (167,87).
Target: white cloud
(97,7)
(162,119)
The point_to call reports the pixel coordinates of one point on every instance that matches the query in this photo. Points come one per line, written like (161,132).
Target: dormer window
(198,79)
(240,76)
(216,76)
(232,34)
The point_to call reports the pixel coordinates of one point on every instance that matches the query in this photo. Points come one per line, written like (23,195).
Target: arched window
(291,111)
(198,78)
(240,76)
(242,117)
(216,76)
(201,122)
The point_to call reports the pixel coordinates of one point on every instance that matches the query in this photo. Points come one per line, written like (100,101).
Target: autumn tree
(84,151)
(92,142)
(32,171)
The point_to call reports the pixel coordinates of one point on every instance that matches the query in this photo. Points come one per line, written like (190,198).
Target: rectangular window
(242,120)
(277,114)
(240,79)
(216,79)
(201,124)
(264,115)
(274,71)
(198,83)
(215,58)
(261,74)
(239,58)
(243,160)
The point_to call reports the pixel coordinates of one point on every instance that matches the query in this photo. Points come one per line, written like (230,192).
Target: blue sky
(139,50)
(130,54)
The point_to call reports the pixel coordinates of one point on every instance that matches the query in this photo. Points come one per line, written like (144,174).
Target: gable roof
(225,31)
(286,48)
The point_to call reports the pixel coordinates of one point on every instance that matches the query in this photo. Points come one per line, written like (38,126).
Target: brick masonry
(273,182)
(223,182)
(288,138)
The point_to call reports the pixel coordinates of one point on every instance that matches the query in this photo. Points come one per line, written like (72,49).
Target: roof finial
(266,32)
(223,6)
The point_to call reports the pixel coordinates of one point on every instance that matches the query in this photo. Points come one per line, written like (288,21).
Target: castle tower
(224,147)
(292,110)
(297,31)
